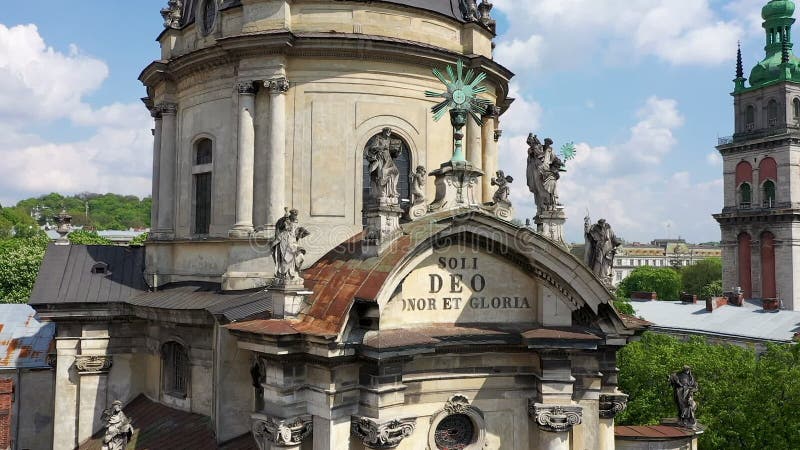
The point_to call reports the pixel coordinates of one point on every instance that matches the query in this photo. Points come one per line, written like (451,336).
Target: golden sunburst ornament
(460,99)
(462,92)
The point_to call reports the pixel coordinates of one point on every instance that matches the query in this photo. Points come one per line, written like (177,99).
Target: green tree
(140,239)
(744,399)
(665,282)
(700,274)
(19,264)
(713,289)
(82,237)
(105,211)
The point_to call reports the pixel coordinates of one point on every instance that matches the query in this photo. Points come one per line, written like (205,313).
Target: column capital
(270,431)
(555,418)
(277,86)
(612,404)
(88,365)
(246,87)
(492,111)
(497,135)
(382,434)
(166,108)
(155,113)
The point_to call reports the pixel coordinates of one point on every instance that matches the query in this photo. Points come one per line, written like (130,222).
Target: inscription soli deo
(456,285)
(462,285)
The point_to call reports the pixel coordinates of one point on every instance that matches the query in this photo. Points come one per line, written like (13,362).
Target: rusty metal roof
(158,427)
(652,432)
(24,340)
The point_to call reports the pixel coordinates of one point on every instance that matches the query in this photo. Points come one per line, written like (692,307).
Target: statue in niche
(418,180)
(543,172)
(118,428)
(383,172)
(503,189)
(684,386)
(601,247)
(286,251)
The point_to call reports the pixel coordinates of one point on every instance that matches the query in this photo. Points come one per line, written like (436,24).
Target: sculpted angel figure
(118,428)
(286,251)
(503,189)
(383,172)
(418,179)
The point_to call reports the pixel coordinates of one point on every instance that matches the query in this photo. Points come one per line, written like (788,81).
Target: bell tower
(760,220)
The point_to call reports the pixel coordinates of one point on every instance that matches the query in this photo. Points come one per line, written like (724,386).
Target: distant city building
(660,253)
(760,216)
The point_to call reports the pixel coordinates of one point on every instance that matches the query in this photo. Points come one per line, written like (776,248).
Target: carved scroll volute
(270,432)
(555,418)
(612,404)
(382,435)
(93,364)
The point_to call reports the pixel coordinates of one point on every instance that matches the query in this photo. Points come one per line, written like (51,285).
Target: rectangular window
(202,203)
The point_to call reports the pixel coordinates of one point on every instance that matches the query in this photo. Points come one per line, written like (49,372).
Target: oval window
(455,432)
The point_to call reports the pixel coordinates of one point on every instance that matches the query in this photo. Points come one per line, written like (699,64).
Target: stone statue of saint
(601,246)
(383,172)
(286,251)
(418,180)
(684,386)
(469,9)
(503,189)
(118,428)
(543,173)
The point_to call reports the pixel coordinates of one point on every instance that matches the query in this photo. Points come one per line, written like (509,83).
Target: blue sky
(641,86)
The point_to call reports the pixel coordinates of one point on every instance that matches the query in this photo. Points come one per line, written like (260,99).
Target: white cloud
(39,85)
(714,159)
(625,183)
(567,33)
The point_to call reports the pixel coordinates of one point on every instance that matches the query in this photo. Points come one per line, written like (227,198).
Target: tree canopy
(745,400)
(20,259)
(700,274)
(106,211)
(666,282)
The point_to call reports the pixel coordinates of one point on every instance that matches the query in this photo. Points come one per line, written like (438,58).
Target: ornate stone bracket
(246,87)
(382,435)
(555,418)
(272,432)
(87,365)
(612,404)
(277,86)
(166,108)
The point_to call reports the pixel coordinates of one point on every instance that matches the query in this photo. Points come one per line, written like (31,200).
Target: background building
(660,253)
(759,219)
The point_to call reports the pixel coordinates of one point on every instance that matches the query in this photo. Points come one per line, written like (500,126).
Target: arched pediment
(476,269)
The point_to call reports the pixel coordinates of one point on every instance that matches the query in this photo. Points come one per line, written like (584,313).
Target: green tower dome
(779,64)
(778,9)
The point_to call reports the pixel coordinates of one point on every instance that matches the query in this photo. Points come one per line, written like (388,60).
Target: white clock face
(459,97)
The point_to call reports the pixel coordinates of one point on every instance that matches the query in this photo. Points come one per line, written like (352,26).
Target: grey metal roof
(749,321)
(232,306)
(24,340)
(66,274)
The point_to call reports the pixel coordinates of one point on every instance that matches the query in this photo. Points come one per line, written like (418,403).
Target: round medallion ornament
(459,97)
(209,15)
(454,432)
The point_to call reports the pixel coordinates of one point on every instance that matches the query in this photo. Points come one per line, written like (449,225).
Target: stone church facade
(396,324)
(759,220)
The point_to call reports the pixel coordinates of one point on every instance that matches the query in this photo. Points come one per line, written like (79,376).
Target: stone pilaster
(382,434)
(65,427)
(474,147)
(274,432)
(490,155)
(276,164)
(93,392)
(156,113)
(165,224)
(245,165)
(554,423)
